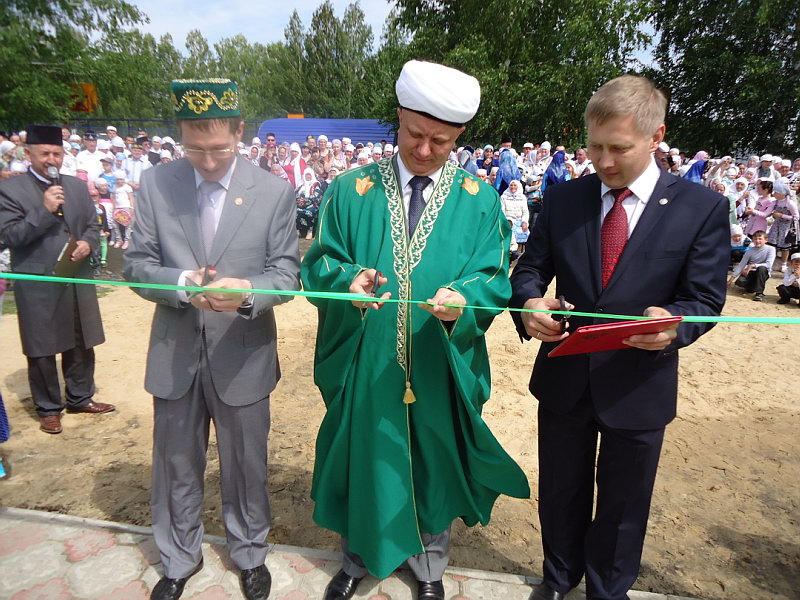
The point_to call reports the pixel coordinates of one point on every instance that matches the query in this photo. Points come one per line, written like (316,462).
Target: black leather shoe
(545,592)
(171,589)
(256,583)
(430,590)
(341,587)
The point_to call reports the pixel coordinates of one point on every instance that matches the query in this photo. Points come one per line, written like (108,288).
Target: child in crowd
(739,243)
(764,205)
(99,255)
(754,267)
(123,210)
(790,288)
(108,172)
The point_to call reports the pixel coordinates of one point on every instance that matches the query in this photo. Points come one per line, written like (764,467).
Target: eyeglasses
(218,153)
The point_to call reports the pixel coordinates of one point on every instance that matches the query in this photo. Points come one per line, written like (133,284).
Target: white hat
(349,148)
(480,172)
(780,187)
(527,145)
(388,148)
(103,145)
(545,145)
(295,147)
(732,172)
(155,139)
(240,145)
(166,154)
(256,141)
(674,151)
(322,137)
(168,140)
(795,256)
(111,128)
(74,138)
(101,181)
(766,158)
(117,142)
(786,162)
(119,174)
(663,147)
(376,149)
(17,166)
(736,229)
(6,147)
(346,140)
(364,154)
(445,94)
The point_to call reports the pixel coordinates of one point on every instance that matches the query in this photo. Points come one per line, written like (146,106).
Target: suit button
(599,309)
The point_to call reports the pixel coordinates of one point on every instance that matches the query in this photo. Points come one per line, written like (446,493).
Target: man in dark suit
(213,355)
(631,240)
(38,215)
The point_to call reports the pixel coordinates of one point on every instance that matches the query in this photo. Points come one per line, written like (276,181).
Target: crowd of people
(762,190)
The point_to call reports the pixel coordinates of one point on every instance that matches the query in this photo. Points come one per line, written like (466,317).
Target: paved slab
(47,556)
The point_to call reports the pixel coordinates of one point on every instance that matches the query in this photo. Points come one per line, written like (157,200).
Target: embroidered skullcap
(766,158)
(44,134)
(440,92)
(205,98)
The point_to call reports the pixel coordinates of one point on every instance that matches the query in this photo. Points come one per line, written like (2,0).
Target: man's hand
(542,326)
(53,198)
(654,341)
(82,250)
(436,305)
(363,285)
(224,301)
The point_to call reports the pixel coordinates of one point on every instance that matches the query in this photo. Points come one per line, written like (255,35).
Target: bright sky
(258,20)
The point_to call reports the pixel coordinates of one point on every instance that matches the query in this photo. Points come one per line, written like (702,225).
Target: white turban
(441,92)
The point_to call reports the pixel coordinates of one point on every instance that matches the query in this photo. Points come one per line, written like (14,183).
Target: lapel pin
(663,201)
(238,202)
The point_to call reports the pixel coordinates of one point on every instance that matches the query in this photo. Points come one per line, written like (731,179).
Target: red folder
(608,336)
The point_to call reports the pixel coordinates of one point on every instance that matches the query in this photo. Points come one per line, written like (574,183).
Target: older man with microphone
(44,215)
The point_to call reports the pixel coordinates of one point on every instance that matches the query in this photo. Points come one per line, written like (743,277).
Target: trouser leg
(103,249)
(180,441)
(431,564)
(626,471)
(783,292)
(757,280)
(567,449)
(45,389)
(426,566)
(242,441)
(77,365)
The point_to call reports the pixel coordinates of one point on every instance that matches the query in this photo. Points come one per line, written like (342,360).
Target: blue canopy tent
(296,130)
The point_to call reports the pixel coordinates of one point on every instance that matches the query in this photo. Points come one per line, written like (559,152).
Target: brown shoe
(50,423)
(95,408)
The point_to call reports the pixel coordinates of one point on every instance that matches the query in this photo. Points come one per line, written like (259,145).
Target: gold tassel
(409,397)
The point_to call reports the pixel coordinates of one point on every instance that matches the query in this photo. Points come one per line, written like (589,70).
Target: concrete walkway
(46,556)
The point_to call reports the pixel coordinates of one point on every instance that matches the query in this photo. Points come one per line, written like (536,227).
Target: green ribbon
(359,298)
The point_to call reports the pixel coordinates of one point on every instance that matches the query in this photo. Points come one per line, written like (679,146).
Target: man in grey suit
(212,355)
(39,214)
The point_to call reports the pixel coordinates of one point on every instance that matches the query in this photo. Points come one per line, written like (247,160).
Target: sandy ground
(725,521)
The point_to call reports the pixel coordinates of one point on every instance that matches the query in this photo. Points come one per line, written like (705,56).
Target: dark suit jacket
(36,238)
(676,258)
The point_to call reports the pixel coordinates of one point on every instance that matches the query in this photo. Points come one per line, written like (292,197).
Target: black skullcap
(44,134)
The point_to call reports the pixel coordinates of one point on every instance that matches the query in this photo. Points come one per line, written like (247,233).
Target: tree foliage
(732,68)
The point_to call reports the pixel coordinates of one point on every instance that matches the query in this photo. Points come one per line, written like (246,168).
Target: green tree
(538,62)
(732,70)
(200,61)
(43,49)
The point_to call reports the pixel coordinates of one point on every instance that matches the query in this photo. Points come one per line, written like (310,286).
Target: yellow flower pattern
(470,185)
(229,101)
(363,185)
(200,102)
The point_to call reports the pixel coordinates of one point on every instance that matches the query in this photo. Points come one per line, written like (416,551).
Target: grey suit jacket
(256,240)
(36,238)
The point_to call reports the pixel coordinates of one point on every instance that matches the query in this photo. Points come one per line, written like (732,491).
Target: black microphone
(53,176)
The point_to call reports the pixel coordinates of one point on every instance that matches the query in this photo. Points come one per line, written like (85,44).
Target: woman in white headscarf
(308,194)
(296,165)
(515,208)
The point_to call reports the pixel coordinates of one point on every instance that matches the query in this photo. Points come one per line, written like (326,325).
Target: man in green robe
(403,450)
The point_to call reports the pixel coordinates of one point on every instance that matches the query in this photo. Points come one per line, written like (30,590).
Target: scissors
(562,318)
(376,284)
(209,273)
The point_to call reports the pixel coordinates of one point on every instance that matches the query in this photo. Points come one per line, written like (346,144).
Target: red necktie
(613,235)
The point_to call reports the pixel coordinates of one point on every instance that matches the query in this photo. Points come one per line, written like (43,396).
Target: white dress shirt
(642,189)
(404,175)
